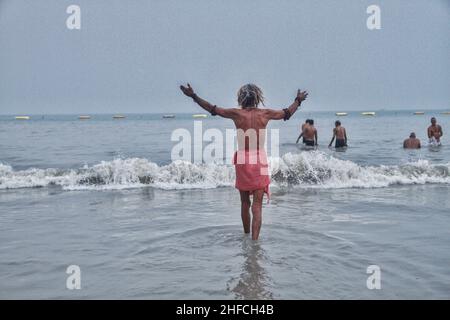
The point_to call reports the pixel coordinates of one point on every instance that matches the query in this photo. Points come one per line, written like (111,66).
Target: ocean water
(104,194)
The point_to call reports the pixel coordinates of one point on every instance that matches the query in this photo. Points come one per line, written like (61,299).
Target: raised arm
(213,109)
(285,114)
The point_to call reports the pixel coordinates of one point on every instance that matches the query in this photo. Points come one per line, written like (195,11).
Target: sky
(131,56)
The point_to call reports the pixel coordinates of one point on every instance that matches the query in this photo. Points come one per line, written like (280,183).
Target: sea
(107,196)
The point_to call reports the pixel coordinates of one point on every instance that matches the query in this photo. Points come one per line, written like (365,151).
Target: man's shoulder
(237,111)
(266,110)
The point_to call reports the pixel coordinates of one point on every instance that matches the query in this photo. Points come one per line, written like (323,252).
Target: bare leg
(245,210)
(257,213)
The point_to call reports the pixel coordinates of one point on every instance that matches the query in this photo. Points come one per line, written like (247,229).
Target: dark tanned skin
(309,132)
(411,143)
(339,133)
(248,118)
(302,130)
(435,130)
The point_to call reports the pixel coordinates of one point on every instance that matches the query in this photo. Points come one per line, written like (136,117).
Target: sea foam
(306,169)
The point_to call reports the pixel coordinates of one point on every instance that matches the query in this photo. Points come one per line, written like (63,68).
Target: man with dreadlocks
(252,174)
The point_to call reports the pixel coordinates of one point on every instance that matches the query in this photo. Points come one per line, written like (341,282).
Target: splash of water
(306,169)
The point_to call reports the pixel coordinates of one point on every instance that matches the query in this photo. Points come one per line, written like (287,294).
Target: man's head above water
(250,96)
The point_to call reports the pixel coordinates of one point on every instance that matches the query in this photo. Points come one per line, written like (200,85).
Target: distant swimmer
(412,142)
(434,132)
(309,133)
(340,134)
(250,161)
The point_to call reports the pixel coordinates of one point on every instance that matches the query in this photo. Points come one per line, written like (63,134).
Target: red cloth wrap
(252,171)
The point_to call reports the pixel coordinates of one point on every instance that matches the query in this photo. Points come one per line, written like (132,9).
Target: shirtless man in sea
(434,132)
(412,142)
(340,134)
(251,178)
(309,134)
(306,124)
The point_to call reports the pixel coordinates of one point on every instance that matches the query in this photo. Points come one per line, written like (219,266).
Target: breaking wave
(307,169)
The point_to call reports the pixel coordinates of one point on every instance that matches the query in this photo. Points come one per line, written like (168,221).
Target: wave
(317,169)
(306,169)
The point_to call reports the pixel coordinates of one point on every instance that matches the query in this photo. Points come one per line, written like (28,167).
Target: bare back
(339,132)
(411,143)
(252,123)
(309,131)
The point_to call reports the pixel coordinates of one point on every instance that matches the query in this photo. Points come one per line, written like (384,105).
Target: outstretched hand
(301,95)
(187,90)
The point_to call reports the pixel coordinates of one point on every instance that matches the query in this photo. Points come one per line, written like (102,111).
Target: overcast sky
(131,56)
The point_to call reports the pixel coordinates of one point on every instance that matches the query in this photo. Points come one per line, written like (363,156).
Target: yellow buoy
(84,117)
(368,113)
(419,113)
(341,113)
(22,118)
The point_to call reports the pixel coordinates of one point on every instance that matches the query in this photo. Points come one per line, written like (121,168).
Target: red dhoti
(252,171)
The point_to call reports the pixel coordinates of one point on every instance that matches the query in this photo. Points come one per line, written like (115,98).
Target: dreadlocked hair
(249,96)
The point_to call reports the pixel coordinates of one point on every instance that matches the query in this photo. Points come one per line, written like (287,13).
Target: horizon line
(137,113)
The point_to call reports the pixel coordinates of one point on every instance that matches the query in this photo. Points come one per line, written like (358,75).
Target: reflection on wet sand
(253,282)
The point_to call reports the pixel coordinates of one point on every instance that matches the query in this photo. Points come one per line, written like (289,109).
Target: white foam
(317,169)
(306,169)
